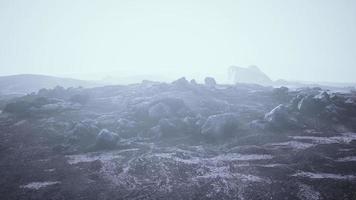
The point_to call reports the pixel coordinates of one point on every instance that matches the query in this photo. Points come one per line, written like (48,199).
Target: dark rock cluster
(181,140)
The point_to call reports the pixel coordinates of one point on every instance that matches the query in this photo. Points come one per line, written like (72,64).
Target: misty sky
(311,40)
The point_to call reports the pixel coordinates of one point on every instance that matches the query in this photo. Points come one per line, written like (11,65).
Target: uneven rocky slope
(179,141)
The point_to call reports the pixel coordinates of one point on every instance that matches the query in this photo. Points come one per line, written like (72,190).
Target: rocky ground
(181,140)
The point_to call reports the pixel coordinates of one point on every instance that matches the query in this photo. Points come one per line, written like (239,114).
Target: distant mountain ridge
(27,83)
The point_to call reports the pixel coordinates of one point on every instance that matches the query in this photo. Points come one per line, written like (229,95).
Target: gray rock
(193,82)
(159,111)
(323,97)
(258,125)
(350,102)
(181,82)
(154,132)
(309,106)
(332,112)
(220,126)
(167,107)
(210,82)
(125,123)
(106,139)
(171,127)
(280,93)
(280,118)
(314,105)
(127,128)
(83,133)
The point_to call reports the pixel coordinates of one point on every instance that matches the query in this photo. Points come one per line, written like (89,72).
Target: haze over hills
(178,100)
(27,83)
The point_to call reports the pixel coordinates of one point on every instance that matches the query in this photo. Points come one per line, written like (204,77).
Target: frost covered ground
(179,141)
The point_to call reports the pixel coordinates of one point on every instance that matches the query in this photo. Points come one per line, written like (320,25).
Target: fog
(293,40)
(177,99)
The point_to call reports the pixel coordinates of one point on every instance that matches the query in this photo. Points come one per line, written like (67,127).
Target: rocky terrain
(179,140)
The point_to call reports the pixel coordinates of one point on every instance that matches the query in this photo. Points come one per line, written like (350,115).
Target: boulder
(83,133)
(171,127)
(181,83)
(210,82)
(127,128)
(295,102)
(332,112)
(314,105)
(281,93)
(154,132)
(350,102)
(258,125)
(193,82)
(323,97)
(81,99)
(159,111)
(220,126)
(126,124)
(280,118)
(107,121)
(309,106)
(200,120)
(106,139)
(281,90)
(191,123)
(350,107)
(166,108)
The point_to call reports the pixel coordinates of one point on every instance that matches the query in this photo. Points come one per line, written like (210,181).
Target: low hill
(27,83)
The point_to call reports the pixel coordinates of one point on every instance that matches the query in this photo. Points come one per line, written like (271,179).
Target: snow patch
(294,145)
(39,185)
(345,138)
(21,122)
(347,159)
(220,158)
(242,157)
(324,176)
(90,157)
(224,172)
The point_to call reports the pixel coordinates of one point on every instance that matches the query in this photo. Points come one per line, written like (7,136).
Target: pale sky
(310,40)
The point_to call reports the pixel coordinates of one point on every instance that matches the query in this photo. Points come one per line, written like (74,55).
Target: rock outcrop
(251,74)
(220,126)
